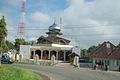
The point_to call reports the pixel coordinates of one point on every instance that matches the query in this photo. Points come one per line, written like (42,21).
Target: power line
(75,35)
(72,26)
(91,34)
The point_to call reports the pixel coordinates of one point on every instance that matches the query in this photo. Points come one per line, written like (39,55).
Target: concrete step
(63,64)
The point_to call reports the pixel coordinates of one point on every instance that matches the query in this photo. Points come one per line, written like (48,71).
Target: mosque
(53,44)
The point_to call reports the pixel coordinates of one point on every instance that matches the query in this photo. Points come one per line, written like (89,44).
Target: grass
(11,73)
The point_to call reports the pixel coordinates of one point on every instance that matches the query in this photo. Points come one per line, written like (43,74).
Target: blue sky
(46,6)
(84,22)
(11,9)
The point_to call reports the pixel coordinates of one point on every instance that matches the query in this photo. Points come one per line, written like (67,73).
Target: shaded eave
(105,57)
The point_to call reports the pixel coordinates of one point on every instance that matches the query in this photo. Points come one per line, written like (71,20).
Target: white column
(56,55)
(20,57)
(36,59)
(41,54)
(49,55)
(52,60)
(64,55)
(33,54)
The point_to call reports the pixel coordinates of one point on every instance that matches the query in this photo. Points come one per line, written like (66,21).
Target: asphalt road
(71,73)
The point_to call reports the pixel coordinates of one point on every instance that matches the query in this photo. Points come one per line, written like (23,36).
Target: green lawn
(11,73)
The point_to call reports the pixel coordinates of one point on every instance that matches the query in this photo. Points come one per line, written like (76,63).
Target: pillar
(20,57)
(64,55)
(77,61)
(52,60)
(36,58)
(33,54)
(56,55)
(41,54)
(49,55)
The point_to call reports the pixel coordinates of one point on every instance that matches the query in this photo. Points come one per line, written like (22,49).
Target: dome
(54,27)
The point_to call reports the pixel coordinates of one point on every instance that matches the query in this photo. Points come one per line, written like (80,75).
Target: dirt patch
(44,77)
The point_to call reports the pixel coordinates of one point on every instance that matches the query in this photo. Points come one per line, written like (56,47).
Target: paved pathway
(71,73)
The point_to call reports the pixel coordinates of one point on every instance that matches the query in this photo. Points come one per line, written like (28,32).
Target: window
(108,45)
(117,62)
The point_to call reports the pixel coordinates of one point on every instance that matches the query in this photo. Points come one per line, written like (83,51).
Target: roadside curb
(44,77)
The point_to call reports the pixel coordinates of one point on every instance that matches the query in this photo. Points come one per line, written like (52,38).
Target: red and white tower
(21,27)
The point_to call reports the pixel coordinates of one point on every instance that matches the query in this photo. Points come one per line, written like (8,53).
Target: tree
(84,52)
(91,49)
(32,42)
(19,42)
(3,34)
(40,38)
(4,47)
(10,45)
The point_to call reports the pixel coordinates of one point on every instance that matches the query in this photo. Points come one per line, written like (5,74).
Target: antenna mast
(21,27)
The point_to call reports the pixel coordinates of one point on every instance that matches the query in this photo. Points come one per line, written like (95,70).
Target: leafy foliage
(5,47)
(3,34)
(31,42)
(84,52)
(92,49)
(10,45)
(19,42)
(3,30)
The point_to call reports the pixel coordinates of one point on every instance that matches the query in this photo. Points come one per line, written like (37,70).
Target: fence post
(52,60)
(36,58)
(20,58)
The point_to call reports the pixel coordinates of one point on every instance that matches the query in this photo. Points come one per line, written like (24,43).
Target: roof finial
(54,20)
(61,20)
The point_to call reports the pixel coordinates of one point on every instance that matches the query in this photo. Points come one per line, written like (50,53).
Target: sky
(84,22)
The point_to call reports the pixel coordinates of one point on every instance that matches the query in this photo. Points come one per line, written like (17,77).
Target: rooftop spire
(54,20)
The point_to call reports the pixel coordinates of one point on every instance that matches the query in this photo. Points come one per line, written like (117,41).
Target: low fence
(36,60)
(86,65)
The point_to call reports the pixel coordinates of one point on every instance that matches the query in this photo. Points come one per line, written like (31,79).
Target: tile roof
(105,50)
(53,40)
(115,53)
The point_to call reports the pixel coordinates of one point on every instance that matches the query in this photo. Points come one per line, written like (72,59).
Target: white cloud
(13,3)
(40,17)
(100,18)
(89,23)
(32,39)
(106,10)
(11,31)
(41,22)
